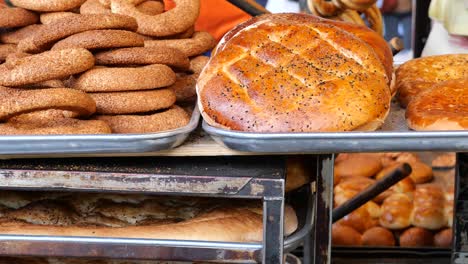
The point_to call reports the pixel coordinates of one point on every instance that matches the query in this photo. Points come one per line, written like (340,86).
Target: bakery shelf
(230,177)
(82,145)
(393,136)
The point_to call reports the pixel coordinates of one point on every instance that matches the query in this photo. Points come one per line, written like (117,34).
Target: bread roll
(419,74)
(350,187)
(428,211)
(420,172)
(444,106)
(359,220)
(360,165)
(396,211)
(378,236)
(405,186)
(416,237)
(345,236)
(274,73)
(444,238)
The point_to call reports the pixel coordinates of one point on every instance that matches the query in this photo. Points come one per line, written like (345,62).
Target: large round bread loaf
(295,73)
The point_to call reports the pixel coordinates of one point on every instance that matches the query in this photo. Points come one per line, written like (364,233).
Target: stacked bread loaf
(434,90)
(417,210)
(101,66)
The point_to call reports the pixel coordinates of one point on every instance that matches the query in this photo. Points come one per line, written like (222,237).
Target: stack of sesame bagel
(95,66)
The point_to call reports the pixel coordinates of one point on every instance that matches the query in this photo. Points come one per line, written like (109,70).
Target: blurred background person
(397,20)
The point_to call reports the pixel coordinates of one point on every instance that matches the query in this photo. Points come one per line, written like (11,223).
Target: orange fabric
(216,16)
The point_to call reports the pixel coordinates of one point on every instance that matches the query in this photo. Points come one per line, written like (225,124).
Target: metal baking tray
(97,144)
(393,136)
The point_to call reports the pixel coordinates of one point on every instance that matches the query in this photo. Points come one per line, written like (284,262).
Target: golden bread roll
(428,211)
(297,173)
(416,237)
(444,106)
(444,238)
(350,187)
(345,236)
(293,73)
(361,165)
(420,172)
(360,220)
(378,236)
(396,211)
(419,74)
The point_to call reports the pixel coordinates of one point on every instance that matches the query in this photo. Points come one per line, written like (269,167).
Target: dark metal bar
(373,191)
(273,216)
(460,225)
(421,26)
(324,205)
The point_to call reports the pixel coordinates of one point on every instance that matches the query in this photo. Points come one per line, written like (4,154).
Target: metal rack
(229,177)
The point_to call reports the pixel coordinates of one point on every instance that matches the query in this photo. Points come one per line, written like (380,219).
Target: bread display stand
(228,177)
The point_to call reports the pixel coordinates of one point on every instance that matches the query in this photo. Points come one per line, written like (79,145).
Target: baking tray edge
(81,145)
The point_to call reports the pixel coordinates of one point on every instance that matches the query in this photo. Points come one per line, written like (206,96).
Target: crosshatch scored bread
(294,73)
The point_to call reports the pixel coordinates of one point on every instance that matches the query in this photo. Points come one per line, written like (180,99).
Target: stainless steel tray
(96,144)
(393,136)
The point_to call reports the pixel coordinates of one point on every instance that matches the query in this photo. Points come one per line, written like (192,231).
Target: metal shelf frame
(228,177)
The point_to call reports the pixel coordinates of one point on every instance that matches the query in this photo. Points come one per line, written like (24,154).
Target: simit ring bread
(420,74)
(16,17)
(48,5)
(15,36)
(100,39)
(171,22)
(172,118)
(18,101)
(5,50)
(200,42)
(133,102)
(294,73)
(67,26)
(55,127)
(45,66)
(47,18)
(101,79)
(444,106)
(143,56)
(94,7)
(184,87)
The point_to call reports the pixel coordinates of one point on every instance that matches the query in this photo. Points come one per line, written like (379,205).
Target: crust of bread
(420,74)
(442,107)
(138,217)
(261,80)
